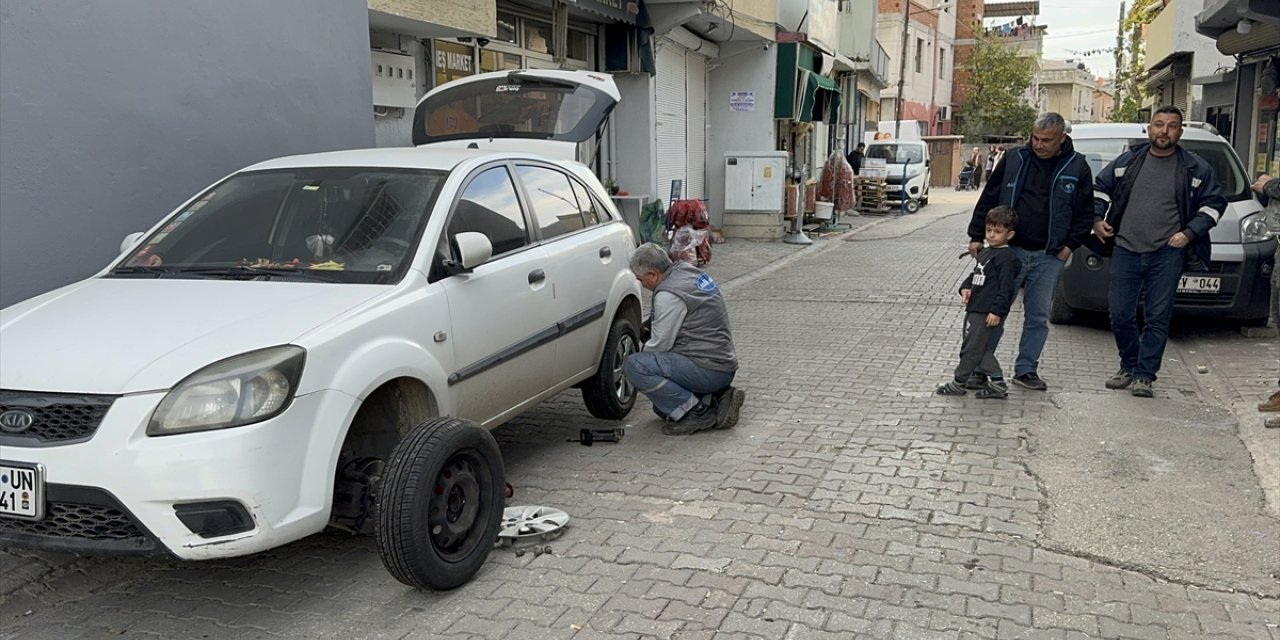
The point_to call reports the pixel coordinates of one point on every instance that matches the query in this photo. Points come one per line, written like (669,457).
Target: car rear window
(1101,151)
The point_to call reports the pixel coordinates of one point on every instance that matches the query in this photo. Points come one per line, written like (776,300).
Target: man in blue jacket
(1153,206)
(1050,185)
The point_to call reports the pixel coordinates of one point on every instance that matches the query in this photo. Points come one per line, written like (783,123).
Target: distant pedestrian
(1155,205)
(975,161)
(855,157)
(987,294)
(989,165)
(1050,185)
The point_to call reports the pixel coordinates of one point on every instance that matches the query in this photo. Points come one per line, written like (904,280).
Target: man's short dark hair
(1168,108)
(1002,217)
(861,145)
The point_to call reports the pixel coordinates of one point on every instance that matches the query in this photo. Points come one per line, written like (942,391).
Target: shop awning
(624,11)
(819,98)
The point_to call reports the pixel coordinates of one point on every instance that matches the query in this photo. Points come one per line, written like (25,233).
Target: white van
(1235,287)
(907,176)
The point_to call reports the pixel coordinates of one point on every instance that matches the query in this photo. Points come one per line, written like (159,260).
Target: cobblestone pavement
(849,501)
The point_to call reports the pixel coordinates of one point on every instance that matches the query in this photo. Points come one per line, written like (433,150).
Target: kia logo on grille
(16,420)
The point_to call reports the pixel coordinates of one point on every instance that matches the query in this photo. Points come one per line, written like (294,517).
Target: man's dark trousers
(978,347)
(1152,279)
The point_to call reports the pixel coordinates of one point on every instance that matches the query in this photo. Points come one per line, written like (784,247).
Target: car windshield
(1101,151)
(357,225)
(897,153)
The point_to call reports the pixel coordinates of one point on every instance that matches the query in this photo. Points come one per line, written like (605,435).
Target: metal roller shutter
(696,119)
(672,122)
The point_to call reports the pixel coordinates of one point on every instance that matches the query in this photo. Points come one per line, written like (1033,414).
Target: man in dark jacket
(1154,207)
(855,157)
(1051,188)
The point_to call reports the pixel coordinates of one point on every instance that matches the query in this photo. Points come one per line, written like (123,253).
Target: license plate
(21,491)
(1199,284)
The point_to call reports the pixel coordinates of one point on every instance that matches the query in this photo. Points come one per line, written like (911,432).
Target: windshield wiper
(248,272)
(137,268)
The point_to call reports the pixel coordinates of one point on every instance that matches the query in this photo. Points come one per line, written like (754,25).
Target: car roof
(439,158)
(1103,130)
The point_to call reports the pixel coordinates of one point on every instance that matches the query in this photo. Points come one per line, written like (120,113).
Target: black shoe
(975,381)
(1141,388)
(700,418)
(992,391)
(1030,381)
(1120,380)
(728,404)
(951,388)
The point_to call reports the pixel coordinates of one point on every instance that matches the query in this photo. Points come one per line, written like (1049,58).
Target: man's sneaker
(728,404)
(1141,388)
(1030,381)
(1272,403)
(993,391)
(950,388)
(1272,422)
(700,418)
(976,381)
(1120,380)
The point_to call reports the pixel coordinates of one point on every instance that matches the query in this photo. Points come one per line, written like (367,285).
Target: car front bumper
(196,496)
(1243,293)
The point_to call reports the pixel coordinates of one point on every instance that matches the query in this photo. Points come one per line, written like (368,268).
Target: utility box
(754,186)
(394,82)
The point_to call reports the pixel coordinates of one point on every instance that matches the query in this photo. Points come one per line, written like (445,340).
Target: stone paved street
(849,502)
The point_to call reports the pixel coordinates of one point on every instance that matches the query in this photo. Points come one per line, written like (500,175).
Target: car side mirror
(130,240)
(474,249)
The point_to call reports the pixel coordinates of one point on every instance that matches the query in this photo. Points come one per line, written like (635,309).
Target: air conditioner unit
(944,113)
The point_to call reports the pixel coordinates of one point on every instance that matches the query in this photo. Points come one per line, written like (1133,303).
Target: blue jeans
(1040,275)
(1152,280)
(672,382)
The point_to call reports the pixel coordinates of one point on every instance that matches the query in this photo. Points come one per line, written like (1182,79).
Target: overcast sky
(1079,26)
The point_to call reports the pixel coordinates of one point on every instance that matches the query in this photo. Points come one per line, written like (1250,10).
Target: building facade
(1184,67)
(1068,88)
(920,38)
(1249,30)
(112,114)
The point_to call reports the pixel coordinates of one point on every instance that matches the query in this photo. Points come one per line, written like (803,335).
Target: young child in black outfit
(987,294)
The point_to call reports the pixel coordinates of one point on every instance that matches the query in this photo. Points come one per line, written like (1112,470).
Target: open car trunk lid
(549,112)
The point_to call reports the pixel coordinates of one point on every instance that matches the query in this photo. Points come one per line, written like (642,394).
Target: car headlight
(913,172)
(240,390)
(1254,228)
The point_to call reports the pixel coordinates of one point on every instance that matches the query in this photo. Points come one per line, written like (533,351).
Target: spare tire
(440,503)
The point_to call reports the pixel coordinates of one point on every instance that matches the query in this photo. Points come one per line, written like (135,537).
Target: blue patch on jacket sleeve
(705,283)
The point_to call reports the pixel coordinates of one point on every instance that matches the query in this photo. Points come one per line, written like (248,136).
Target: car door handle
(536,276)
(605,252)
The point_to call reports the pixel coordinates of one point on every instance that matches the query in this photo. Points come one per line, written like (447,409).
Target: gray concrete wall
(744,66)
(113,113)
(394,127)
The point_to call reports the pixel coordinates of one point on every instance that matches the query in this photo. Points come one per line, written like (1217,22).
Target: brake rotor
(521,523)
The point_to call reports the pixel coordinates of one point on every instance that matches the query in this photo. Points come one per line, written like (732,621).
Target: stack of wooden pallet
(870,194)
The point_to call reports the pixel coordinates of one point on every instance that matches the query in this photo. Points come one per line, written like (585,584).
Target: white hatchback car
(325,339)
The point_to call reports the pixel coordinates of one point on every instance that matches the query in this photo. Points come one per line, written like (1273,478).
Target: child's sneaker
(993,391)
(951,388)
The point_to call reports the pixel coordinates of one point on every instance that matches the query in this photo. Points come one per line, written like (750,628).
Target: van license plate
(21,491)
(1199,284)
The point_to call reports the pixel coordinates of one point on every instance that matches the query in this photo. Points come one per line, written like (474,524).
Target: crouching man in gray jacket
(688,363)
